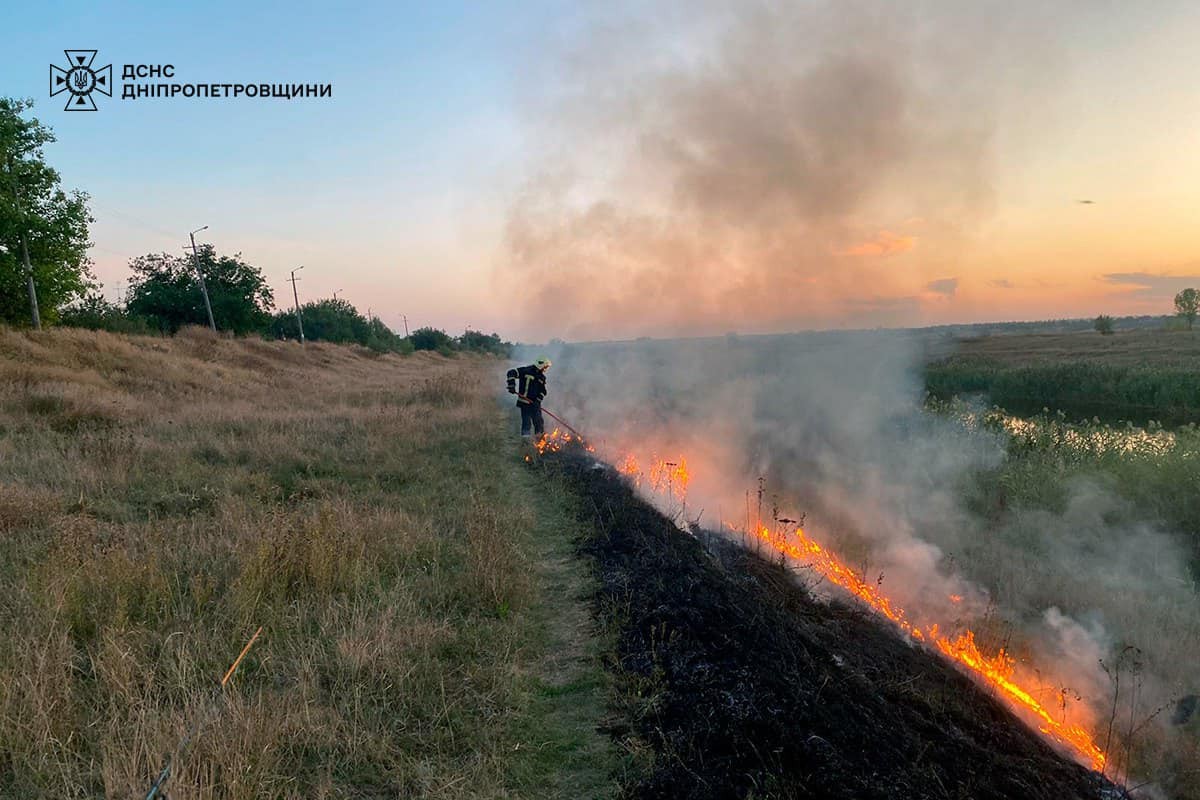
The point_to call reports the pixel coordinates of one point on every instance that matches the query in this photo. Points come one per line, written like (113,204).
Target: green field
(1133,376)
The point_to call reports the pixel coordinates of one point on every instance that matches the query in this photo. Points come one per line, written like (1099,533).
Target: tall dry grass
(161,498)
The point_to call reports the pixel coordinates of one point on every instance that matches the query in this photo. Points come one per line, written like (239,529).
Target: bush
(1104,324)
(95,313)
(431,339)
(480,342)
(1082,390)
(338,321)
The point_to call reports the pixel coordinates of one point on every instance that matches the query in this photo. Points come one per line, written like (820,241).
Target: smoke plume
(760,166)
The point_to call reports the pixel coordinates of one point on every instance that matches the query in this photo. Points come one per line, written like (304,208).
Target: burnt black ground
(742,685)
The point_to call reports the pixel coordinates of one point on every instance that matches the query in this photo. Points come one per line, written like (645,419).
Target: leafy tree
(381,339)
(331,321)
(283,325)
(338,321)
(97,313)
(38,217)
(1104,324)
(1187,303)
(480,342)
(431,339)
(164,289)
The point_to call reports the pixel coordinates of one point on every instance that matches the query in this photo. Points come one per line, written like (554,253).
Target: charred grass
(162,498)
(738,684)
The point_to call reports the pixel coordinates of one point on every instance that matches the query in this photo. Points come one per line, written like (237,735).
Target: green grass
(1154,470)
(1081,390)
(563,756)
(1137,376)
(1103,523)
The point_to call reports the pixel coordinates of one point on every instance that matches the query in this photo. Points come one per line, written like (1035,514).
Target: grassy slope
(425,632)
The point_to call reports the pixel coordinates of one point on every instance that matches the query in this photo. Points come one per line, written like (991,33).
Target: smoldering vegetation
(1092,594)
(735,682)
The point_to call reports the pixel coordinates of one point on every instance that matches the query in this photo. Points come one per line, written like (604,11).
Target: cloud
(1147,286)
(1002,283)
(885,243)
(943,286)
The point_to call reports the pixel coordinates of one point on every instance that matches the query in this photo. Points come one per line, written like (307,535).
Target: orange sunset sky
(611,170)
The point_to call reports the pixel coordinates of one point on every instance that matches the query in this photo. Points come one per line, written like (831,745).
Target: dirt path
(562,753)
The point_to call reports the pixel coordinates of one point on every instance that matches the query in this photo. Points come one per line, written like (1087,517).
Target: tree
(1187,303)
(1104,324)
(324,321)
(431,339)
(381,339)
(164,289)
(481,342)
(97,313)
(338,321)
(43,230)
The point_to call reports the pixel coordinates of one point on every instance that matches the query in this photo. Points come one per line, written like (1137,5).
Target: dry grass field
(425,633)
(1134,348)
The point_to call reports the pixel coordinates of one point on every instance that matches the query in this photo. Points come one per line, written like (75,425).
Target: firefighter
(529,385)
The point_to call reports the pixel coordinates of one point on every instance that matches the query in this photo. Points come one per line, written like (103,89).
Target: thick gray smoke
(758,166)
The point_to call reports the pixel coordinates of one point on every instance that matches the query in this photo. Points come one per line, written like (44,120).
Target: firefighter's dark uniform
(529,384)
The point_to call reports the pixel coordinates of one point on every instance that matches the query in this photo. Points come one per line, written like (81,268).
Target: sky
(555,169)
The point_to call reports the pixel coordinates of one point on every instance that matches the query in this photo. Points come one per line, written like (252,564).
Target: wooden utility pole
(296,297)
(405,325)
(199,274)
(34,314)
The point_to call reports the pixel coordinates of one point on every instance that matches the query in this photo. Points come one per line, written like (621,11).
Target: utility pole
(405,325)
(335,294)
(34,315)
(296,297)
(199,274)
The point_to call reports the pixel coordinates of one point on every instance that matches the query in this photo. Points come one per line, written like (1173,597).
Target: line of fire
(666,481)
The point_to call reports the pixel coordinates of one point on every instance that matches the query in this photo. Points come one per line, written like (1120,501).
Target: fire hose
(157,791)
(555,417)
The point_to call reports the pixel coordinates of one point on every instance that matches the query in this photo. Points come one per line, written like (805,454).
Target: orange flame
(995,671)
(556,440)
(998,671)
(670,478)
(630,467)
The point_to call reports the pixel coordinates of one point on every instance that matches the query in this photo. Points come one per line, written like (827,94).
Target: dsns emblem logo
(80,80)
